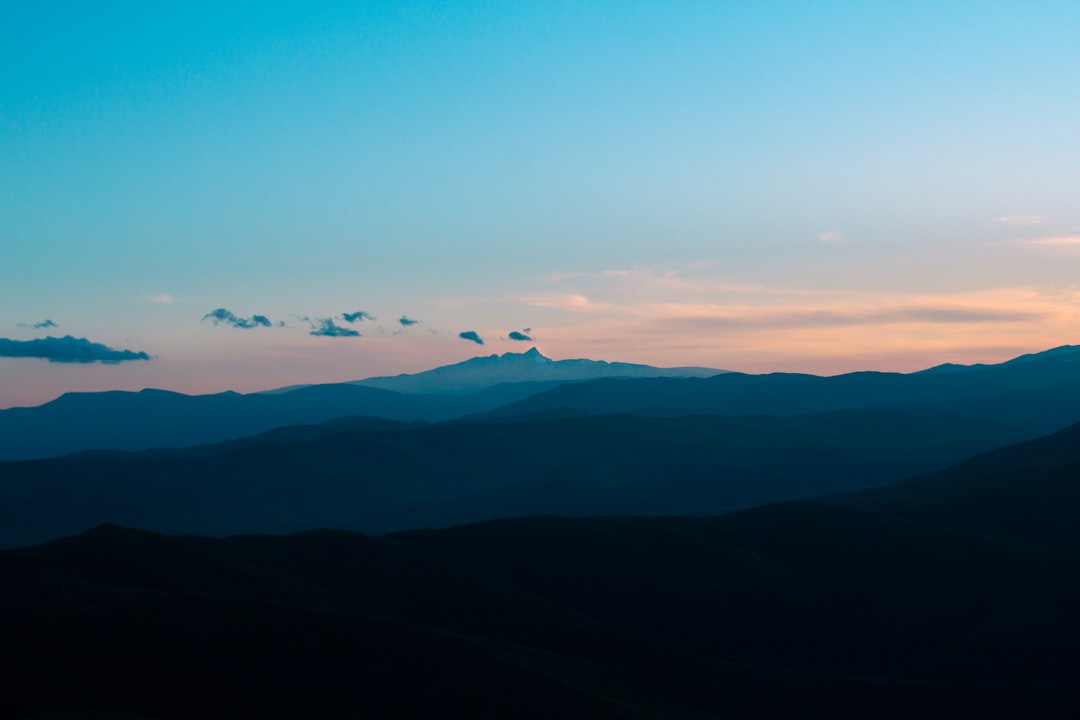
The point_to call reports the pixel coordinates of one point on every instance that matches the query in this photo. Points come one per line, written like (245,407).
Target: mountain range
(480,373)
(950,595)
(156,418)
(640,446)
(1041,391)
(378,476)
(1035,394)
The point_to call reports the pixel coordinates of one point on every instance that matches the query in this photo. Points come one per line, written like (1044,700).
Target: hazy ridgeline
(604,581)
(954,595)
(625,446)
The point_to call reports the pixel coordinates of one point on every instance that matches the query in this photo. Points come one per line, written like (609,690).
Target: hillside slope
(376,476)
(795,610)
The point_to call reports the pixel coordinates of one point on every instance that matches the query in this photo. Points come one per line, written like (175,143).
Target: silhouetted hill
(481,373)
(156,418)
(376,476)
(1029,490)
(1034,394)
(1037,393)
(796,610)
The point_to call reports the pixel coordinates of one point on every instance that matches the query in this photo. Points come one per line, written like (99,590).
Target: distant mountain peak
(485,371)
(532,354)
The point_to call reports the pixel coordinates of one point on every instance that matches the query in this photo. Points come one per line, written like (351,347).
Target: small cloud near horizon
(44,324)
(357,316)
(832,237)
(520,336)
(471,336)
(561,301)
(1022,220)
(407,321)
(325,327)
(67,349)
(1054,241)
(223,316)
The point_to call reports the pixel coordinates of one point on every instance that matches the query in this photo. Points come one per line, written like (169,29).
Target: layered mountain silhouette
(377,476)
(1034,394)
(1040,392)
(644,446)
(157,418)
(950,595)
(481,373)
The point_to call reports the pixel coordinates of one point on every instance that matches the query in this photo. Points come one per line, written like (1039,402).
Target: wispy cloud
(357,316)
(832,237)
(407,321)
(520,336)
(839,316)
(841,332)
(163,299)
(44,324)
(1022,220)
(226,317)
(471,336)
(1054,241)
(559,301)
(67,349)
(325,327)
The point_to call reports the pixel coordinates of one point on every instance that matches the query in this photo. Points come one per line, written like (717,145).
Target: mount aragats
(643,542)
(506,436)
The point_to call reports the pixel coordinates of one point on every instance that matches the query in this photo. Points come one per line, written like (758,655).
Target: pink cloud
(1023,220)
(1055,241)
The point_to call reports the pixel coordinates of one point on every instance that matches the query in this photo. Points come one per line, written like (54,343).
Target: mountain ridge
(482,372)
(792,610)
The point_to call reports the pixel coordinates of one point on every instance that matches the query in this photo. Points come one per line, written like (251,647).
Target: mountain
(1033,395)
(1029,490)
(1037,393)
(156,418)
(481,373)
(117,420)
(938,601)
(376,476)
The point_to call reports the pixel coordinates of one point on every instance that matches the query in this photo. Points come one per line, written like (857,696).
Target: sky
(194,195)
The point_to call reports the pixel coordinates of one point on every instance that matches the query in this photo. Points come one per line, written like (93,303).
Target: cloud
(1055,241)
(471,336)
(38,325)
(792,318)
(515,335)
(221,315)
(405,321)
(67,350)
(163,299)
(560,301)
(831,238)
(325,327)
(357,316)
(1024,220)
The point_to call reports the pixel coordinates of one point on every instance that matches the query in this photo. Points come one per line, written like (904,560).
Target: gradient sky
(755,186)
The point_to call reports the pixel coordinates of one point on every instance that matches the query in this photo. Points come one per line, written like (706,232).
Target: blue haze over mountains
(157,418)
(375,460)
(733,546)
(953,595)
(1033,395)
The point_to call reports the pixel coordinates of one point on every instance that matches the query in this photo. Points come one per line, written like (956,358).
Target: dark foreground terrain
(954,595)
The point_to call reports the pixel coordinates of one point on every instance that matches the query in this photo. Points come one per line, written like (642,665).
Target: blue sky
(758,186)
